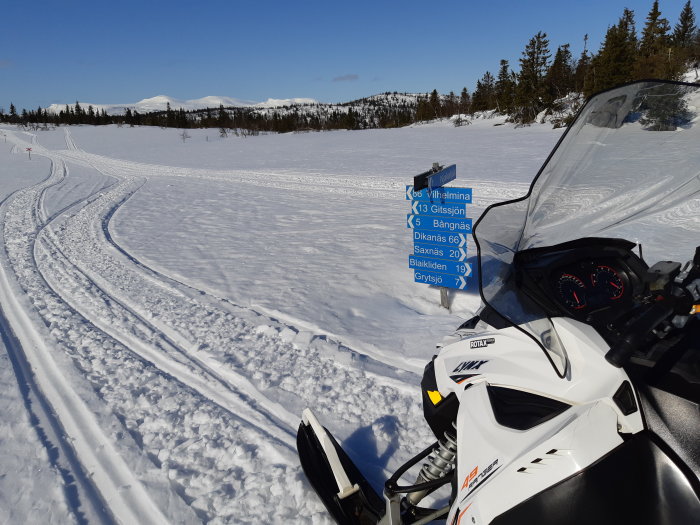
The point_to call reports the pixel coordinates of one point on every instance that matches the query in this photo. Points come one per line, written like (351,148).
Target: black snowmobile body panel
(642,482)
(365,507)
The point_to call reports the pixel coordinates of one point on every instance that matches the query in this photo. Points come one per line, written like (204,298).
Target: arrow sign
(439,210)
(439,265)
(440,279)
(436,251)
(452,239)
(439,224)
(462,282)
(441,195)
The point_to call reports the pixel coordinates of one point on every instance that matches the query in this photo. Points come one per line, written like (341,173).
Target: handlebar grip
(636,332)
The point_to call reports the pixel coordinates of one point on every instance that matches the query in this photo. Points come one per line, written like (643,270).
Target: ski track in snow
(190,377)
(56,452)
(102,469)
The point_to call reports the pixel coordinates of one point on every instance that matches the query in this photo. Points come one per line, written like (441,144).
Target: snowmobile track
(168,358)
(181,365)
(81,496)
(67,412)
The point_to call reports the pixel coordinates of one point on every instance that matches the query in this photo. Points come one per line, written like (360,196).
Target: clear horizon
(89,52)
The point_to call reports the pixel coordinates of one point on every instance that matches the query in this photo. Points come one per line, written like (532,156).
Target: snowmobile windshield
(628,167)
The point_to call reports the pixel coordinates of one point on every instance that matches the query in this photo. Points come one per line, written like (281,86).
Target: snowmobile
(572,396)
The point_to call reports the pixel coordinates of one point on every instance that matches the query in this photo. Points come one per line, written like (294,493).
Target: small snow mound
(562,111)
(692,75)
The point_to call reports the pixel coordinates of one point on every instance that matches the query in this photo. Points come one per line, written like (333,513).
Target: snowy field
(169,307)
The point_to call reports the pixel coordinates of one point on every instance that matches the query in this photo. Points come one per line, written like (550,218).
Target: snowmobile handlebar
(636,333)
(678,297)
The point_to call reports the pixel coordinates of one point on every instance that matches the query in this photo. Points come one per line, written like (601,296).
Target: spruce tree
(434,102)
(685,35)
(614,64)
(531,89)
(484,97)
(169,116)
(464,101)
(560,76)
(423,111)
(655,54)
(451,106)
(685,30)
(223,121)
(505,88)
(582,66)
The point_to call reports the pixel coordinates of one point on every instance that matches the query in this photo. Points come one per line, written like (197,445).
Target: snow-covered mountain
(280,115)
(160,103)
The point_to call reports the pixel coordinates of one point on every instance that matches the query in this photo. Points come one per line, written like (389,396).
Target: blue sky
(60,51)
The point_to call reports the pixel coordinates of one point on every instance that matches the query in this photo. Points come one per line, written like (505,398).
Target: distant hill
(232,114)
(160,103)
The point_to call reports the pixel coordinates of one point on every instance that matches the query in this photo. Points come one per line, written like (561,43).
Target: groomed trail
(168,403)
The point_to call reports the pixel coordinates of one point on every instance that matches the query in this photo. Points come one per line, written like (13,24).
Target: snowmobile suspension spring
(439,463)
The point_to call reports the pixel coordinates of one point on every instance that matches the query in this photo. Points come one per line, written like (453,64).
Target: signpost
(436,177)
(440,227)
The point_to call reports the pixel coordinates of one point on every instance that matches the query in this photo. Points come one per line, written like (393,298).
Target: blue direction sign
(419,222)
(438,209)
(439,265)
(440,227)
(441,238)
(440,195)
(440,279)
(454,253)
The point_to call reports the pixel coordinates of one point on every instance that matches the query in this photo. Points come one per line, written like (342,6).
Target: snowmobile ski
(345,492)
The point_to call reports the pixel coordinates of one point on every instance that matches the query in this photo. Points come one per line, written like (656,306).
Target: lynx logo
(481,343)
(469,365)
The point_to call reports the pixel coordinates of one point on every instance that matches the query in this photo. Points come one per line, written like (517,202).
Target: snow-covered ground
(170,307)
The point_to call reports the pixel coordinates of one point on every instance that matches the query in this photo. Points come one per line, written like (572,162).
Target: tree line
(540,85)
(360,114)
(624,56)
